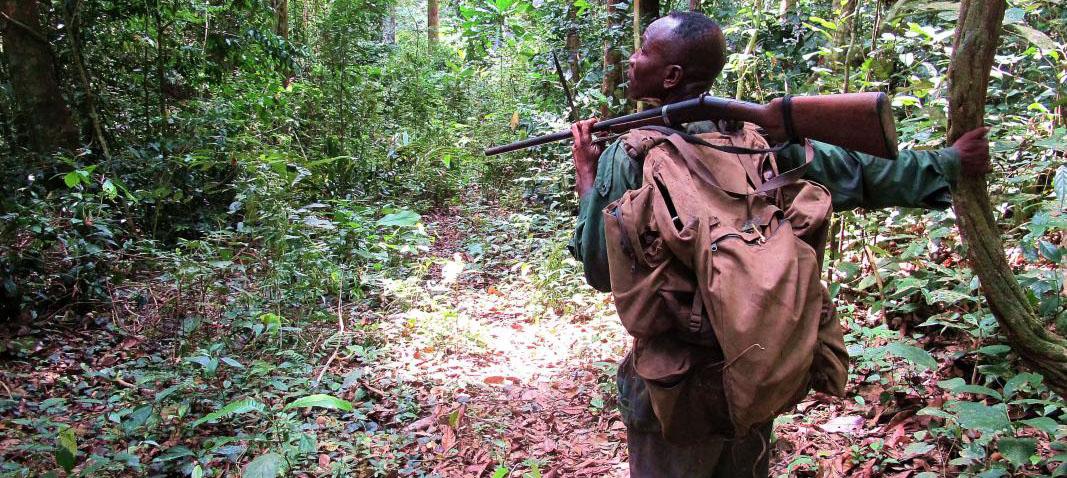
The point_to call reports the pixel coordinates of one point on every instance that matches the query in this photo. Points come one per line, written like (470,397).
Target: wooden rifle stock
(860,122)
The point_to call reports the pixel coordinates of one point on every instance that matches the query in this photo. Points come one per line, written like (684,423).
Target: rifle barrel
(861,122)
(599,127)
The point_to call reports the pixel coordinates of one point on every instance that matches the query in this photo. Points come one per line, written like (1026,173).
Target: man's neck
(683,93)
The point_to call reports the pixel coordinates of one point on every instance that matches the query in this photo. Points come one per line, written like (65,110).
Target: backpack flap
(764,302)
(645,277)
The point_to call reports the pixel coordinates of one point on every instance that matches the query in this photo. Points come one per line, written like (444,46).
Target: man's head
(680,56)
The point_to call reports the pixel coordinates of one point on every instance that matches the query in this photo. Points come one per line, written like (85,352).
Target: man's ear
(672,76)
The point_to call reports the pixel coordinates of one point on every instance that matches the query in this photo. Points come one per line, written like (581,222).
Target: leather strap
(696,313)
(787,119)
(683,142)
(791,176)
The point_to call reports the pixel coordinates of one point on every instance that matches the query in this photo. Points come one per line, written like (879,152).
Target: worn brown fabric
(701,246)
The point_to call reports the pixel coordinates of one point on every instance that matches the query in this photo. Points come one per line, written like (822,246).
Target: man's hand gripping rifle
(861,122)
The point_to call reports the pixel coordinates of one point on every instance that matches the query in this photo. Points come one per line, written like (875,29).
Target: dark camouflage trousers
(651,456)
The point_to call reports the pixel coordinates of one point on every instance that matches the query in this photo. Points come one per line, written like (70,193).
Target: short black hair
(692,25)
(704,42)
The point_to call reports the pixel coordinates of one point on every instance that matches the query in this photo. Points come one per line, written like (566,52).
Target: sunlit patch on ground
(505,382)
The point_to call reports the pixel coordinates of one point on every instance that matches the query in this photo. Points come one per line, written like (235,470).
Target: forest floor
(539,395)
(490,364)
(531,387)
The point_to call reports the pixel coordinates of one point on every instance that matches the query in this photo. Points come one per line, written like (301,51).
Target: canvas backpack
(715,268)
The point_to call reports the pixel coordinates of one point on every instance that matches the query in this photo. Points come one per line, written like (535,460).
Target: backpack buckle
(751,227)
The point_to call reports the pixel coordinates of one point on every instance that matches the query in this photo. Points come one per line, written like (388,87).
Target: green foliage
(260,187)
(267,465)
(66,449)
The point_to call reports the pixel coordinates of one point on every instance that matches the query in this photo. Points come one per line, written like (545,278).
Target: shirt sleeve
(616,173)
(917,178)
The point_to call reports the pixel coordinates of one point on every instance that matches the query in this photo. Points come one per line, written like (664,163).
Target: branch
(33,33)
(977,36)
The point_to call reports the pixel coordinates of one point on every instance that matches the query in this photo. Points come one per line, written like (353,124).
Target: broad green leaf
(1017,450)
(1044,424)
(306,443)
(402,218)
(234,408)
(109,189)
(946,296)
(321,401)
(1051,251)
(801,461)
(1016,383)
(71,179)
(867,281)
(957,385)
(500,472)
(66,449)
(1059,184)
(932,411)
(980,417)
(912,354)
(231,362)
(918,448)
(267,465)
(1014,15)
(137,418)
(198,472)
(997,349)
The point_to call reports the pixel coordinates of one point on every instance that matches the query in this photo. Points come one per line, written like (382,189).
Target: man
(680,57)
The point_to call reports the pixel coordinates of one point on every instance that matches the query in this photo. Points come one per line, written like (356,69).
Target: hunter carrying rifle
(714,263)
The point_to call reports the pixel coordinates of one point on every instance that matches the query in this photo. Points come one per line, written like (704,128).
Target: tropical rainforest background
(259,238)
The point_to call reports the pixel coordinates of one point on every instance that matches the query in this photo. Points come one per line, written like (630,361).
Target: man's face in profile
(645,73)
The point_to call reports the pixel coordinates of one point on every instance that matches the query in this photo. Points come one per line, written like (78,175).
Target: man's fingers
(576,132)
(975,134)
(587,125)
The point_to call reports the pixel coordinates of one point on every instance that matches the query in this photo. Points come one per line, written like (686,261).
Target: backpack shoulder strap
(684,142)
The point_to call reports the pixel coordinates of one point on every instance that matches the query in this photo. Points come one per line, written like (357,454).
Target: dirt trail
(512,387)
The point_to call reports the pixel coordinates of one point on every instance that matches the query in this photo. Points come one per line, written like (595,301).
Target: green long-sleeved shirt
(914,179)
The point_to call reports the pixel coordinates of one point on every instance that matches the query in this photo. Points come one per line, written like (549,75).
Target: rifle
(861,122)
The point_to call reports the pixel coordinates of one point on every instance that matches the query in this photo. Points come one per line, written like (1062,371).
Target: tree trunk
(281,18)
(90,109)
(433,21)
(612,59)
(389,26)
(846,23)
(645,12)
(851,22)
(784,7)
(977,36)
(573,43)
(281,28)
(45,118)
(750,48)
(694,5)
(7,126)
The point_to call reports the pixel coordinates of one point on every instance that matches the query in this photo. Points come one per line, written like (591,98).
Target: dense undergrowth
(235,287)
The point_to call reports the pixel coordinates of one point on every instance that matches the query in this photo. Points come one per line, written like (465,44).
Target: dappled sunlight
(504,340)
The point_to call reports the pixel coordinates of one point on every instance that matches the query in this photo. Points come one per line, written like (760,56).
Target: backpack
(715,268)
